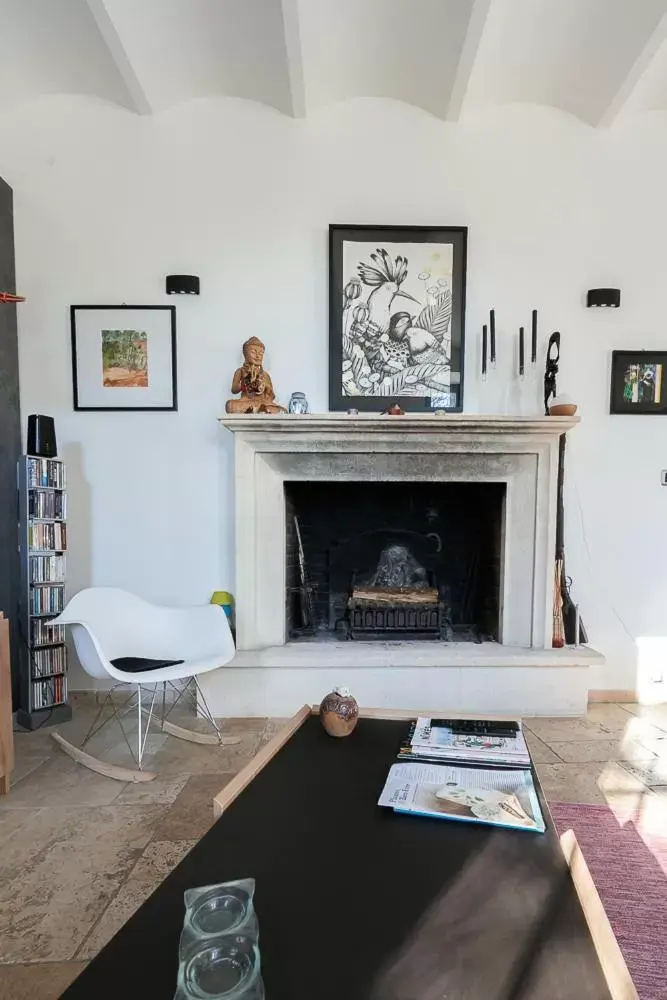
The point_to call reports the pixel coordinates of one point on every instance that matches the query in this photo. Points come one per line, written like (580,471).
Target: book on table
(474,777)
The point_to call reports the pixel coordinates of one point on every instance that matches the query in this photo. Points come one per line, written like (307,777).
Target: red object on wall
(10,297)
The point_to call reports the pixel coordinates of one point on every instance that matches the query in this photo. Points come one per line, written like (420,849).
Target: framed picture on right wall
(638,382)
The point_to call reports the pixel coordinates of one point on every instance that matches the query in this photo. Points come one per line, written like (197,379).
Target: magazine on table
(433,738)
(408,754)
(471,795)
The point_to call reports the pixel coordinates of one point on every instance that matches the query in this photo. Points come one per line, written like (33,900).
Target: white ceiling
(597,59)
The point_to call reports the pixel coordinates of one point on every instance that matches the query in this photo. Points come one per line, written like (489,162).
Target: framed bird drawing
(396,317)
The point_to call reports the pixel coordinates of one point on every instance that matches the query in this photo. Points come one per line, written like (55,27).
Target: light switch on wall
(663,477)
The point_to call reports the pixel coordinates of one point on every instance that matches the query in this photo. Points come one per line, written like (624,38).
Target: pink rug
(626,853)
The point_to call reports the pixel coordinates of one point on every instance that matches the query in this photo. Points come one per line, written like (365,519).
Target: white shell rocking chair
(120,636)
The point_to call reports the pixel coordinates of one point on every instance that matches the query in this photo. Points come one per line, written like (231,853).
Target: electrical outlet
(663,477)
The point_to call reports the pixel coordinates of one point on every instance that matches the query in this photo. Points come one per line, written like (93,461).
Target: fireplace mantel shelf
(454,424)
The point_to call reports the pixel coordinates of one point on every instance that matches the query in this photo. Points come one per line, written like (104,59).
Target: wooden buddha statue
(254,384)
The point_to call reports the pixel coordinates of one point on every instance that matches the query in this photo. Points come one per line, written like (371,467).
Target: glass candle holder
(215,910)
(220,968)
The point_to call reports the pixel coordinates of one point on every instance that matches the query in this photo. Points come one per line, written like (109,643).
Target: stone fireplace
(474,499)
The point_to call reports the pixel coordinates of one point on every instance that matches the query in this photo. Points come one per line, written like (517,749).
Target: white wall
(107,203)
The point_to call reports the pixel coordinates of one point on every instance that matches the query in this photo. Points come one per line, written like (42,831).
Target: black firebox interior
(337,531)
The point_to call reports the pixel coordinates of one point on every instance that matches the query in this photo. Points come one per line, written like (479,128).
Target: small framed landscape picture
(396,317)
(638,382)
(124,357)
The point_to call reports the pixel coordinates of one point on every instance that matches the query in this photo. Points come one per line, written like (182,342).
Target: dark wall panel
(10,428)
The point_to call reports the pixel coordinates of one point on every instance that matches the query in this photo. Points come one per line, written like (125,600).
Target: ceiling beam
(294,57)
(479,13)
(639,67)
(116,48)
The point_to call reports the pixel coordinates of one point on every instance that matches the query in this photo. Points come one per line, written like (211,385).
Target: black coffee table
(358,903)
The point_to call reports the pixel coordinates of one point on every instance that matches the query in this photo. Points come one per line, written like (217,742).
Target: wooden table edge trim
(608,951)
(399,714)
(226,796)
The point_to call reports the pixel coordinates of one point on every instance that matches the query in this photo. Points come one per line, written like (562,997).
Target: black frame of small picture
(621,362)
(173,377)
(457,237)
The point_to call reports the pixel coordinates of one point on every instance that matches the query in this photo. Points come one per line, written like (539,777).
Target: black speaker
(42,436)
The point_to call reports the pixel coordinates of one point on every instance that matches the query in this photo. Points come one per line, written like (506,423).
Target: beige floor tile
(590,784)
(157,861)
(273,727)
(191,815)
(656,714)
(642,731)
(41,741)
(180,757)
(539,751)
(608,714)
(600,751)
(61,873)
(82,719)
(60,781)
(240,726)
(602,722)
(37,744)
(24,765)
(37,981)
(159,858)
(12,820)
(657,744)
(163,790)
(652,772)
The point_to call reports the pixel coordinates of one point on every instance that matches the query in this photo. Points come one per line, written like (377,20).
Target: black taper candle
(521,360)
(492,328)
(533,339)
(484,349)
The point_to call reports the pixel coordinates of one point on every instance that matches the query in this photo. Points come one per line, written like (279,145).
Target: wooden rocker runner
(120,636)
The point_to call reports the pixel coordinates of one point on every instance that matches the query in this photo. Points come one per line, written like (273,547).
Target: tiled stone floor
(80,852)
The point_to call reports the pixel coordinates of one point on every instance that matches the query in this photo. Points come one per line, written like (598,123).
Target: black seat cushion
(139,664)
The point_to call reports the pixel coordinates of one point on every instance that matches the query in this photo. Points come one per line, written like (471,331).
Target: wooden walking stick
(565,624)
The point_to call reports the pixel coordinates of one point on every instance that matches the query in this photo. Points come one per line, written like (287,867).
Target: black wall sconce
(182,284)
(607,298)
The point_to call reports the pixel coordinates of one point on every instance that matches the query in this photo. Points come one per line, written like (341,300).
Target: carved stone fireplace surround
(522,673)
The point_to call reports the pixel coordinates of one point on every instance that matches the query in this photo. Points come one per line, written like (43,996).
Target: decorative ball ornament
(339,712)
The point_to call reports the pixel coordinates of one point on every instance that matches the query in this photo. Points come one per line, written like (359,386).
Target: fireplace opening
(394,560)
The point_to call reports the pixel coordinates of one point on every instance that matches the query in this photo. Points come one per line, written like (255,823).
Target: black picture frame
(169,375)
(345,279)
(638,383)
